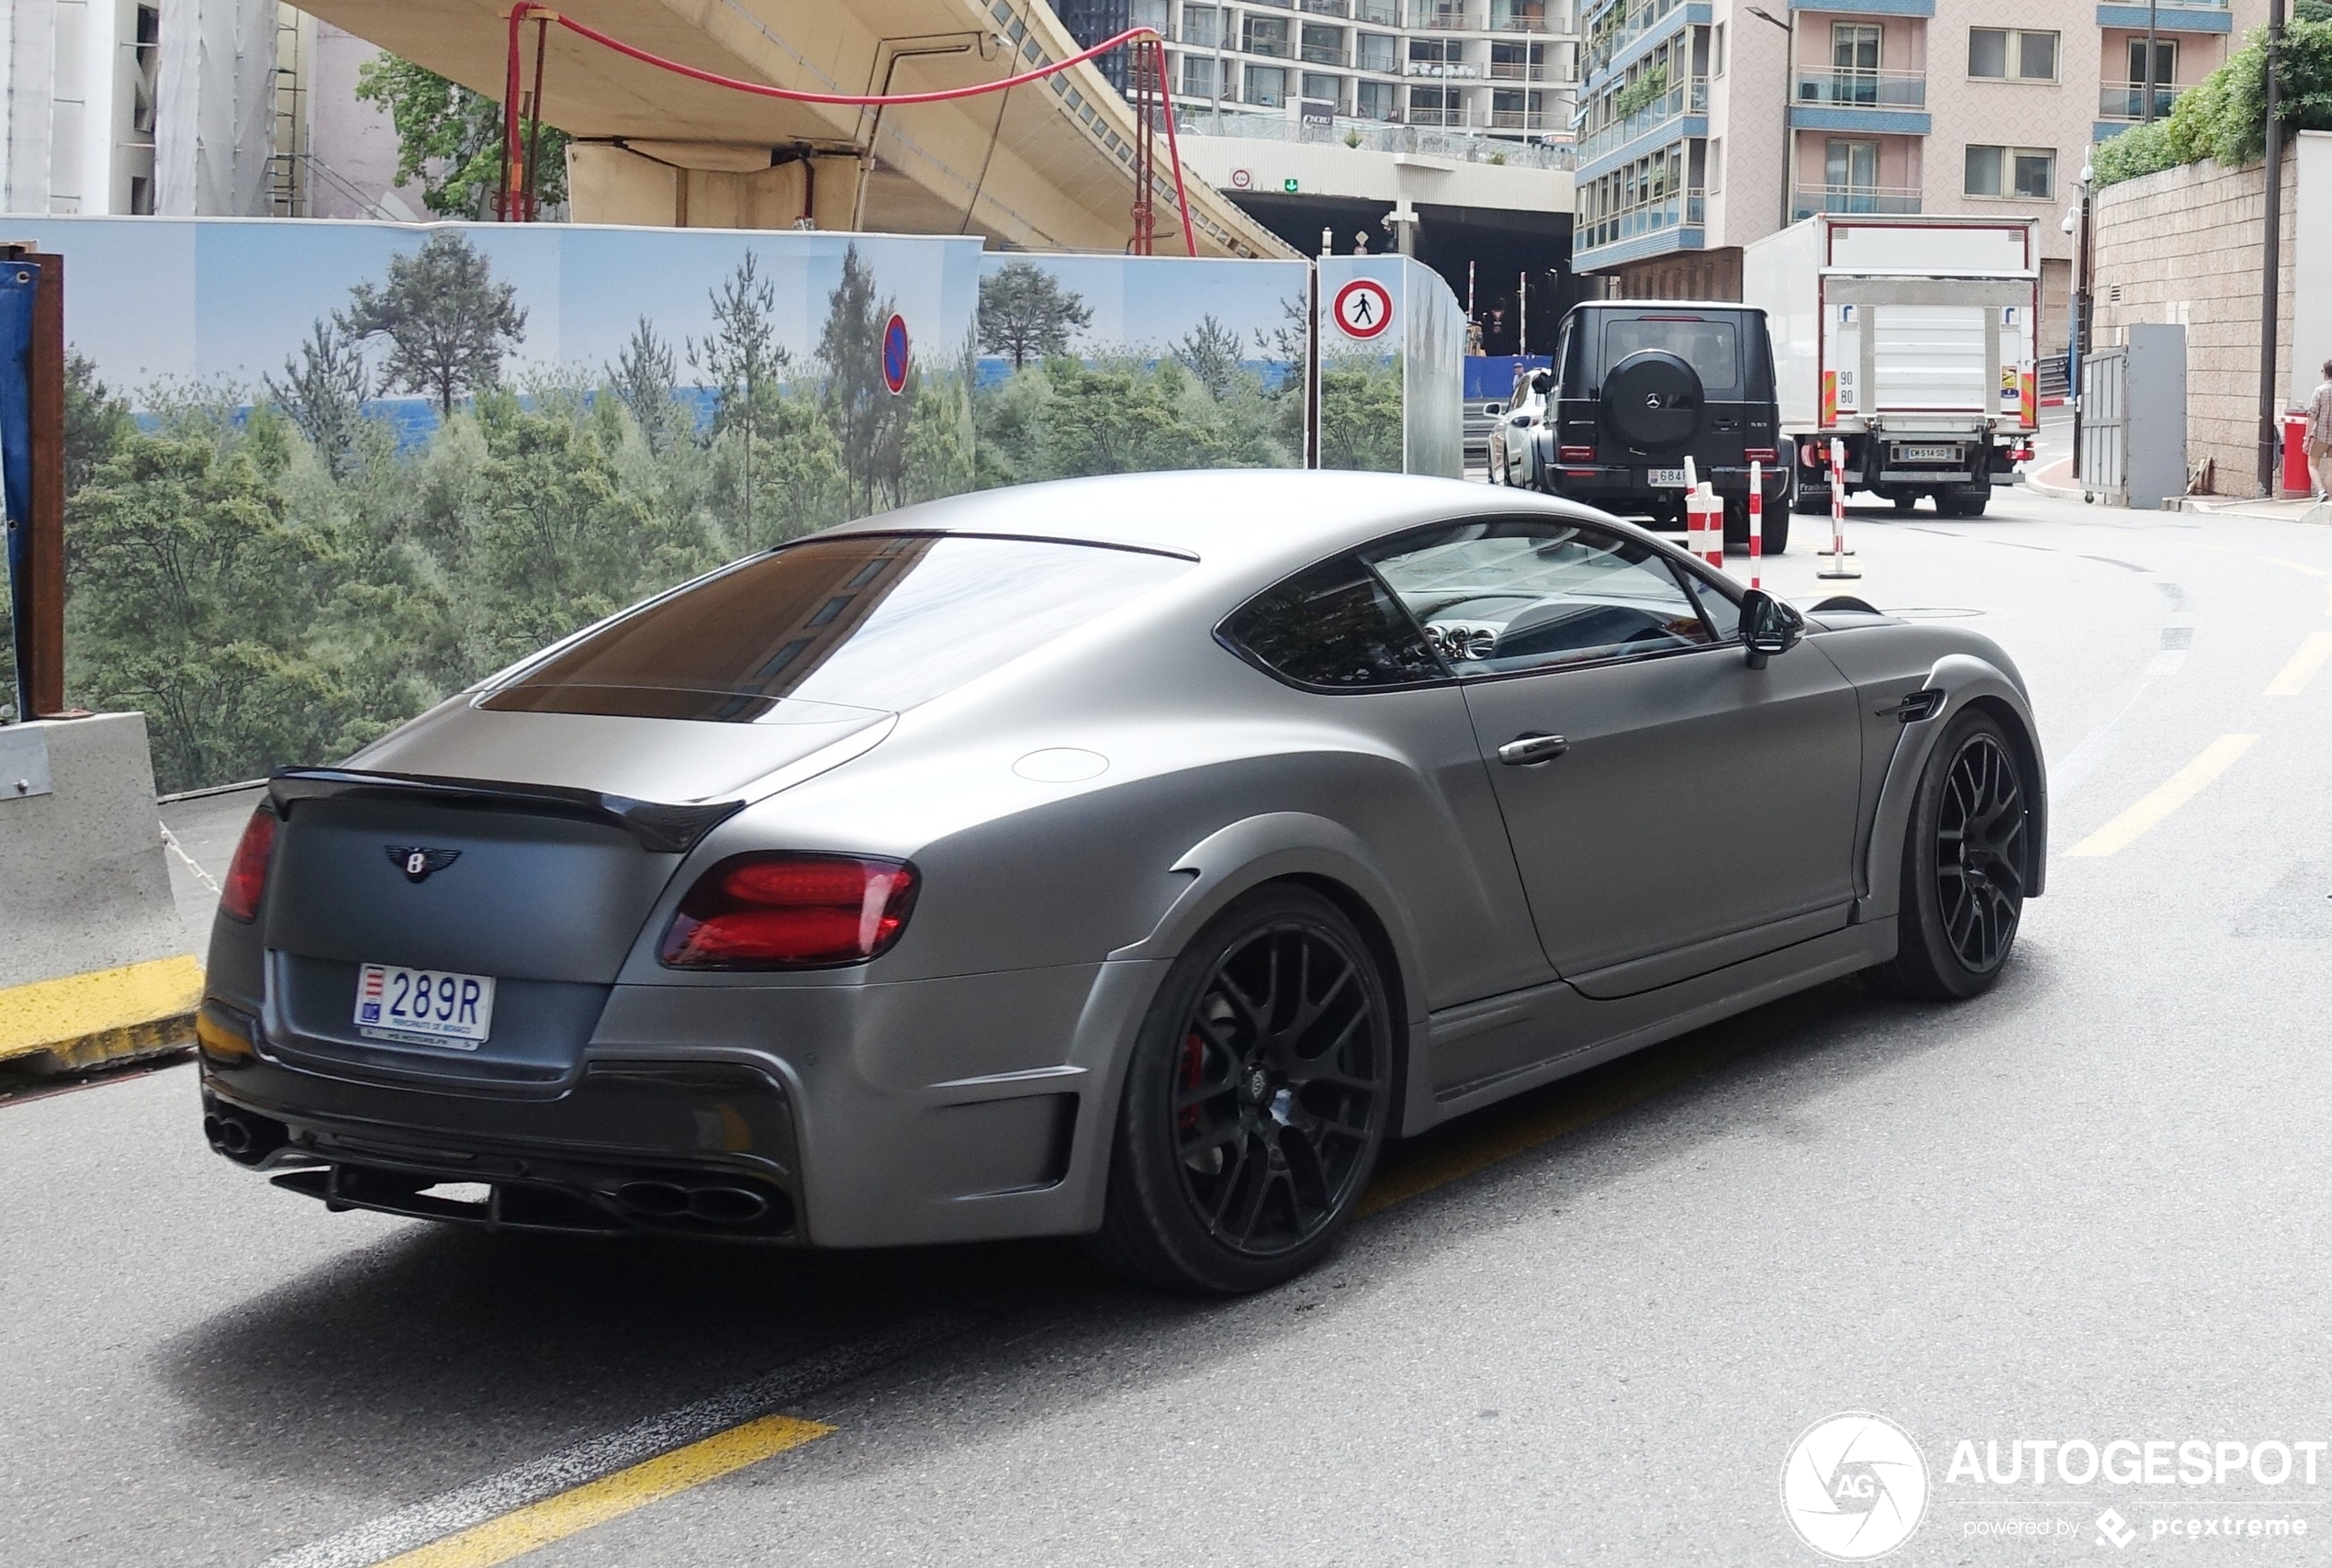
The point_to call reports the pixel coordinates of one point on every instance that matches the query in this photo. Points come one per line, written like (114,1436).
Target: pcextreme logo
(1854,1486)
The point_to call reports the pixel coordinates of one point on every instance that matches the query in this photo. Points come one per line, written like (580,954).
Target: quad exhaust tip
(711,1203)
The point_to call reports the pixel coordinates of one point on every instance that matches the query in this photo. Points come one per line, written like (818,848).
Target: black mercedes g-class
(1642,385)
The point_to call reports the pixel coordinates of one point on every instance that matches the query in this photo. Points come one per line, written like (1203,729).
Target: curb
(104,1017)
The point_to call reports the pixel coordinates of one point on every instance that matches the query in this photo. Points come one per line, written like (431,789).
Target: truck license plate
(423,1007)
(1926,454)
(1666,478)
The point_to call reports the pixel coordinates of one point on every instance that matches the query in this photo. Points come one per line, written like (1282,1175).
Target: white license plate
(1666,478)
(423,1007)
(1926,454)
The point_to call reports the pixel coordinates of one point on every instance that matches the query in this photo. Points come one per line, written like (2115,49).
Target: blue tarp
(1492,375)
(19,283)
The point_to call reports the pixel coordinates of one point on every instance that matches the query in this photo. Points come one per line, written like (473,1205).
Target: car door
(1670,809)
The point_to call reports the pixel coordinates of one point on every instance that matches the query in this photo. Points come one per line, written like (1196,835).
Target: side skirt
(1581,1033)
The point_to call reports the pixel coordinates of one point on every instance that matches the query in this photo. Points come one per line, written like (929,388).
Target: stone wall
(2183,246)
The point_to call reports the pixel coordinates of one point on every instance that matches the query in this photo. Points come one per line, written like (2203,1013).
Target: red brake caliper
(1193,1066)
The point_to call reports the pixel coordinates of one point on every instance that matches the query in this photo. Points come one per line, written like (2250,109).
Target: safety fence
(322,473)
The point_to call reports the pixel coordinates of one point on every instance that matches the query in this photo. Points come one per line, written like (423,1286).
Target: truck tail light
(1574,454)
(247,873)
(1810,455)
(788,910)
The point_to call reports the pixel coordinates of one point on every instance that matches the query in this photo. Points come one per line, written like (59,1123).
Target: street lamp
(1788,137)
(2077,222)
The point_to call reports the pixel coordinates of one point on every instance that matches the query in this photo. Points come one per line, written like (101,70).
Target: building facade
(1707,124)
(1502,67)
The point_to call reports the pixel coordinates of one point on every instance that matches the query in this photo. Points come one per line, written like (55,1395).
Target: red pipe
(525,8)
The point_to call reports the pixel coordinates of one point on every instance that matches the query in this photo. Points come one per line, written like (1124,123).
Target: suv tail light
(786,911)
(247,873)
(1758,453)
(1574,454)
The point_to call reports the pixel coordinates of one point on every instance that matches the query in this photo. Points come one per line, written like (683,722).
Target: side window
(1334,626)
(1720,607)
(1502,595)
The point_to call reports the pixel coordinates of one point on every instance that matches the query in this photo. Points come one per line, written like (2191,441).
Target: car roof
(1224,517)
(1667,305)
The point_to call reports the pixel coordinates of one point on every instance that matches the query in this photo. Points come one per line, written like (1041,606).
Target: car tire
(1776,538)
(1967,861)
(1241,1149)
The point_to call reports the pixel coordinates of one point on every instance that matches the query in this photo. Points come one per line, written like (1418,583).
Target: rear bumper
(971,1108)
(1611,487)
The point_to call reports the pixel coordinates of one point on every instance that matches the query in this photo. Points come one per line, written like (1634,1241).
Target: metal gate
(2104,451)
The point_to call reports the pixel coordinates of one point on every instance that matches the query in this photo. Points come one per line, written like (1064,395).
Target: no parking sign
(894,355)
(1363,309)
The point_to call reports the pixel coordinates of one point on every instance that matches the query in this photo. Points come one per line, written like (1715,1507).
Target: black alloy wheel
(1256,1101)
(1967,864)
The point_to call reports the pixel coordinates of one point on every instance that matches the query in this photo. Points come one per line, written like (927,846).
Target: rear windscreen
(865,621)
(1712,347)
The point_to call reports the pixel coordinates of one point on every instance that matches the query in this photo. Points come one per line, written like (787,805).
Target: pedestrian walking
(2320,436)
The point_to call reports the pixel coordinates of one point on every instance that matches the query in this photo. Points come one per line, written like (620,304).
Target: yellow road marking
(2296,565)
(611,1497)
(2172,793)
(45,1014)
(2294,678)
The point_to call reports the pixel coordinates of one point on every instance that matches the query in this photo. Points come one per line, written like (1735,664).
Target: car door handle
(1524,750)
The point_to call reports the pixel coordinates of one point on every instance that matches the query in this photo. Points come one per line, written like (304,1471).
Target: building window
(1266,35)
(2023,174)
(1198,77)
(1854,165)
(1321,88)
(1716,164)
(1202,26)
(1374,100)
(1433,106)
(2006,54)
(1150,14)
(2165,61)
(1717,49)
(1377,53)
(1266,86)
(1853,48)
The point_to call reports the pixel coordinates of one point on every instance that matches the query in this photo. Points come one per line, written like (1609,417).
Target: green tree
(747,362)
(191,600)
(1210,353)
(1025,313)
(96,422)
(1360,414)
(447,321)
(2223,116)
(1117,420)
(645,378)
(869,420)
(451,140)
(323,392)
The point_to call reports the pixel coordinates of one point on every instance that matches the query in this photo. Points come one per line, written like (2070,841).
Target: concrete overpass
(1046,166)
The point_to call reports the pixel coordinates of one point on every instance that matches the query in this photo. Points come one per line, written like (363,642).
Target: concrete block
(93,959)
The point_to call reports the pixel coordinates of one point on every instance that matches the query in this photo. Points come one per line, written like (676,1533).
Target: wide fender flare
(1235,860)
(1965,680)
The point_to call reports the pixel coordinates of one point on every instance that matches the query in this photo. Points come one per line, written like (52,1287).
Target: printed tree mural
(1025,314)
(447,321)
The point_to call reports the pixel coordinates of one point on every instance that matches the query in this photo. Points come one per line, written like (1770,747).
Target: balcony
(1631,24)
(2169,16)
(1660,213)
(1524,120)
(1377,13)
(1685,98)
(1327,7)
(1515,70)
(1863,200)
(1430,16)
(1862,89)
(1508,17)
(1313,54)
(2124,102)
(1441,70)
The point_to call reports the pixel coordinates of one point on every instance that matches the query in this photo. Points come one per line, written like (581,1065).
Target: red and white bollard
(1837,564)
(1713,527)
(1756,521)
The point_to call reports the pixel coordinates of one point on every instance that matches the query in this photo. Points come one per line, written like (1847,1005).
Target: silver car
(1124,858)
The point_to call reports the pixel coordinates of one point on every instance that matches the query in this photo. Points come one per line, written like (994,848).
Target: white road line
(441,1516)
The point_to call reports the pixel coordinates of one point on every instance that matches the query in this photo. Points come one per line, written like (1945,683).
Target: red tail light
(1574,454)
(247,873)
(1757,454)
(785,911)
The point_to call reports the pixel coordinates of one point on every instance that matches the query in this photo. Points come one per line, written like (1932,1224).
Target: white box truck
(1913,342)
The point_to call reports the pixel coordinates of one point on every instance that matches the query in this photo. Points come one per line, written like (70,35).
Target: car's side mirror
(1768,626)
(1494,409)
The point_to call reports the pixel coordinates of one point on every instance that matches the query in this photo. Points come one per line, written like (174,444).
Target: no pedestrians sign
(1364,309)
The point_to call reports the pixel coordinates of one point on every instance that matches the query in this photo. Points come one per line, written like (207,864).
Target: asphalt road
(1584,1328)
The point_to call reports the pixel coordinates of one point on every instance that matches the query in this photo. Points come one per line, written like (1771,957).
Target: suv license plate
(1664,478)
(423,1007)
(1926,454)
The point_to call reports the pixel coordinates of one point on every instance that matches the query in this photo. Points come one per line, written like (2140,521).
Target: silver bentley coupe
(1123,857)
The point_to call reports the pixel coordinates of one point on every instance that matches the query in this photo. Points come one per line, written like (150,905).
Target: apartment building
(1502,67)
(1708,123)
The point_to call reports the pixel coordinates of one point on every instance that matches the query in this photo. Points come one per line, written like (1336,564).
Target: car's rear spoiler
(658,827)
